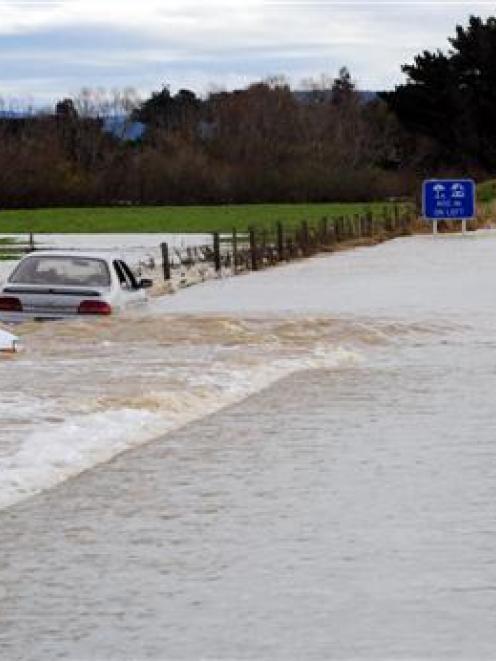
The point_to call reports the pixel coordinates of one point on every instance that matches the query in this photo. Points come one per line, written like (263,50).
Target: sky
(51,49)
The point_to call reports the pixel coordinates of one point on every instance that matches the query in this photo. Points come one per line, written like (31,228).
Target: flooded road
(341,506)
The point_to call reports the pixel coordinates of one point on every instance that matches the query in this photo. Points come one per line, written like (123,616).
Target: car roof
(86,254)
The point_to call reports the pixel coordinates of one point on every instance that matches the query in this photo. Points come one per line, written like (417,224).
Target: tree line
(263,143)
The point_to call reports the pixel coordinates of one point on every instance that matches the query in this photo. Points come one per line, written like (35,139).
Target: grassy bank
(173,218)
(486,201)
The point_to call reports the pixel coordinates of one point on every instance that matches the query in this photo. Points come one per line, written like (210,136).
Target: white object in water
(8,343)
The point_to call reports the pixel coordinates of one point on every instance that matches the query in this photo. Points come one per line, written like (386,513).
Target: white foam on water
(57,451)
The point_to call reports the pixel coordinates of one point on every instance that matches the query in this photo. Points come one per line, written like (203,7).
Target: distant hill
(15,114)
(123,128)
(120,125)
(310,96)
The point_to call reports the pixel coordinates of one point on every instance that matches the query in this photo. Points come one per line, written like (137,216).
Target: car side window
(121,275)
(125,275)
(129,275)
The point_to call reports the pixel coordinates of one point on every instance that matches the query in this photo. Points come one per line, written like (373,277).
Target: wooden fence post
(253,250)
(165,260)
(263,246)
(363,225)
(356,226)
(332,232)
(217,263)
(370,223)
(234,251)
(323,231)
(304,237)
(280,241)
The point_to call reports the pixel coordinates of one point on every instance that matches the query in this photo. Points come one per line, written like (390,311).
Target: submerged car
(55,285)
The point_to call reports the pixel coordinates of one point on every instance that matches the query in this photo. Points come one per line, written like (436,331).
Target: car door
(130,292)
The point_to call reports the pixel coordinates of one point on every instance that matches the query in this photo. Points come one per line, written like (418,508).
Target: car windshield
(65,271)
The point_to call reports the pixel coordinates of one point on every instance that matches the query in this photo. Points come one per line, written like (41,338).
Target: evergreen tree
(452,97)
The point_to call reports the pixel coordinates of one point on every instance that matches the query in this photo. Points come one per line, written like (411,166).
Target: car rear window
(71,271)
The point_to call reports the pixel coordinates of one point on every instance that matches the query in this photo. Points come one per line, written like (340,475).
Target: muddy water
(341,507)
(81,392)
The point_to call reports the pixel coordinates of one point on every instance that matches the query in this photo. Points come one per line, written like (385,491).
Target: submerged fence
(259,248)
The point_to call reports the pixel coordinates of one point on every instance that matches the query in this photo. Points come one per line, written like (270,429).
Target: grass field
(486,191)
(172,218)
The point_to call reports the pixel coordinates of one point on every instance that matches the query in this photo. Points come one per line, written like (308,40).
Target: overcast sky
(50,49)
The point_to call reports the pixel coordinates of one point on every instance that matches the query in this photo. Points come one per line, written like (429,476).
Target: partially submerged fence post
(304,237)
(217,262)
(165,260)
(289,248)
(363,225)
(280,242)
(235,251)
(253,250)
(263,246)
(357,226)
(370,223)
(331,233)
(323,231)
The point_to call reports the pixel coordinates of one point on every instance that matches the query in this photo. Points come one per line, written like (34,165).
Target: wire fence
(258,248)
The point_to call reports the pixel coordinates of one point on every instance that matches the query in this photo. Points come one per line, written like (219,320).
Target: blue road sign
(448,199)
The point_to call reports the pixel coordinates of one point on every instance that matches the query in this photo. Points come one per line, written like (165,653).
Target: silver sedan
(55,285)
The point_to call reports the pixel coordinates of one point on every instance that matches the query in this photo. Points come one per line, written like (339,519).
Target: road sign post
(448,199)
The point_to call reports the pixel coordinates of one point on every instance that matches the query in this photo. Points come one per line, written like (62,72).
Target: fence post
(323,231)
(234,251)
(356,226)
(263,246)
(304,237)
(217,263)
(165,260)
(363,225)
(370,223)
(253,250)
(331,233)
(396,214)
(31,242)
(280,241)
(289,248)
(412,216)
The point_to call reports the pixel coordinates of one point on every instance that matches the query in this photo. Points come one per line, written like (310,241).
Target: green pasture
(486,191)
(163,219)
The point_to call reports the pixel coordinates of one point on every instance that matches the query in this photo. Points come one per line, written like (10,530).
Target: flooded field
(133,247)
(326,488)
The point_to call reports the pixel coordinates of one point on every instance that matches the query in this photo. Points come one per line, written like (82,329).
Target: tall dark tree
(167,111)
(451,97)
(343,87)
(65,109)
